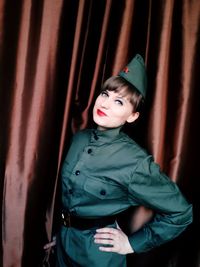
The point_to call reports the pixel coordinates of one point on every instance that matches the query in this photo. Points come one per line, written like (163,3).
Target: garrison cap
(135,73)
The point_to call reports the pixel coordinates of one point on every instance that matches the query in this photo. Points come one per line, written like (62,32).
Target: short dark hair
(117,84)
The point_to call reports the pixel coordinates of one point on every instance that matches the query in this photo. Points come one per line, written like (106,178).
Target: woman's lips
(101,113)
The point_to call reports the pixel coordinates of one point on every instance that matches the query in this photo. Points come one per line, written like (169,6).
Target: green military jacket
(106,172)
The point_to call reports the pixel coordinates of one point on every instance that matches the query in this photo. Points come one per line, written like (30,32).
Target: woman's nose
(105,103)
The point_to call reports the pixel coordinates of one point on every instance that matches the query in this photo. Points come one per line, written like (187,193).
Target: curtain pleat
(32,93)
(190,28)
(122,48)
(13,181)
(98,63)
(159,110)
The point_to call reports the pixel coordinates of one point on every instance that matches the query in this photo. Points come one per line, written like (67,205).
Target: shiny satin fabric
(54,56)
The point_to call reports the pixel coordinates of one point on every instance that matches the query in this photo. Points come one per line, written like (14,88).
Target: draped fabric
(54,56)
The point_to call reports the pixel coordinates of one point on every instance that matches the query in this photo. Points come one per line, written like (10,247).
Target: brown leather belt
(83,223)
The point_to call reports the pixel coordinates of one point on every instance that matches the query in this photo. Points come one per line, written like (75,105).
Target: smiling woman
(113,109)
(107,173)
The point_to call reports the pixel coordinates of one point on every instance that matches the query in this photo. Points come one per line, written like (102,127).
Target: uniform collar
(105,136)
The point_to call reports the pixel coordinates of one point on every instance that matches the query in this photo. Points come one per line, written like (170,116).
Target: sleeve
(152,188)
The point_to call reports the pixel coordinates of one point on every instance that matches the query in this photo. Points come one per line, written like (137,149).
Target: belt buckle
(66,219)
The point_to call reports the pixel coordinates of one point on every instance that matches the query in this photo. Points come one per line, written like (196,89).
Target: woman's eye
(104,93)
(119,102)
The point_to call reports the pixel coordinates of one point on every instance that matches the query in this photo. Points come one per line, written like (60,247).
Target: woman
(104,173)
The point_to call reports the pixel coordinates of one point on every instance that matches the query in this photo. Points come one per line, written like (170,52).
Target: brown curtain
(54,55)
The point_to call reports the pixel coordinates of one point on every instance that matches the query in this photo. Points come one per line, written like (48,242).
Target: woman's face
(113,109)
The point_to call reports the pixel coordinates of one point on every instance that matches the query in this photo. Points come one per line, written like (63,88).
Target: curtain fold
(158,126)
(190,25)
(31,95)
(54,56)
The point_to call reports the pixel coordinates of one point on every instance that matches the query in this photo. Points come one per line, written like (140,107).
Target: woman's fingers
(115,239)
(107,230)
(104,241)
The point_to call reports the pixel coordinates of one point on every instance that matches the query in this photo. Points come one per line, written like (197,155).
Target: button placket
(70,191)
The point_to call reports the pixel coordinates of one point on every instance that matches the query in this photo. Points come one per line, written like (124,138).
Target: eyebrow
(123,98)
(118,95)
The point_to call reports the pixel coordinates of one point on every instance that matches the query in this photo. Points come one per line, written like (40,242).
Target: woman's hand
(50,244)
(116,239)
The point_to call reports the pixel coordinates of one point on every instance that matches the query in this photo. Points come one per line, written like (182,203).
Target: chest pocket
(104,189)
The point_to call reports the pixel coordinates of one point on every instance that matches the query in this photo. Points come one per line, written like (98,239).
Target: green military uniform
(104,173)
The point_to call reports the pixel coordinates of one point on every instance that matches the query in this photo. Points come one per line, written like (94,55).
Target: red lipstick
(101,113)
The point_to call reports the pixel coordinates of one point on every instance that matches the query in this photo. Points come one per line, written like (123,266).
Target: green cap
(135,73)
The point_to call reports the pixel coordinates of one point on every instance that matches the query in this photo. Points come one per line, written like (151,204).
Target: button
(89,151)
(73,212)
(70,191)
(103,192)
(77,172)
(96,137)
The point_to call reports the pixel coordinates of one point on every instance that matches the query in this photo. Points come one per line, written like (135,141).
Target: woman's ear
(133,117)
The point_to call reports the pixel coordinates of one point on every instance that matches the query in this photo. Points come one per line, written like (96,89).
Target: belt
(83,223)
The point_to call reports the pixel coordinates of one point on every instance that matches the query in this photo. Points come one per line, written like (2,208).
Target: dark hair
(119,84)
